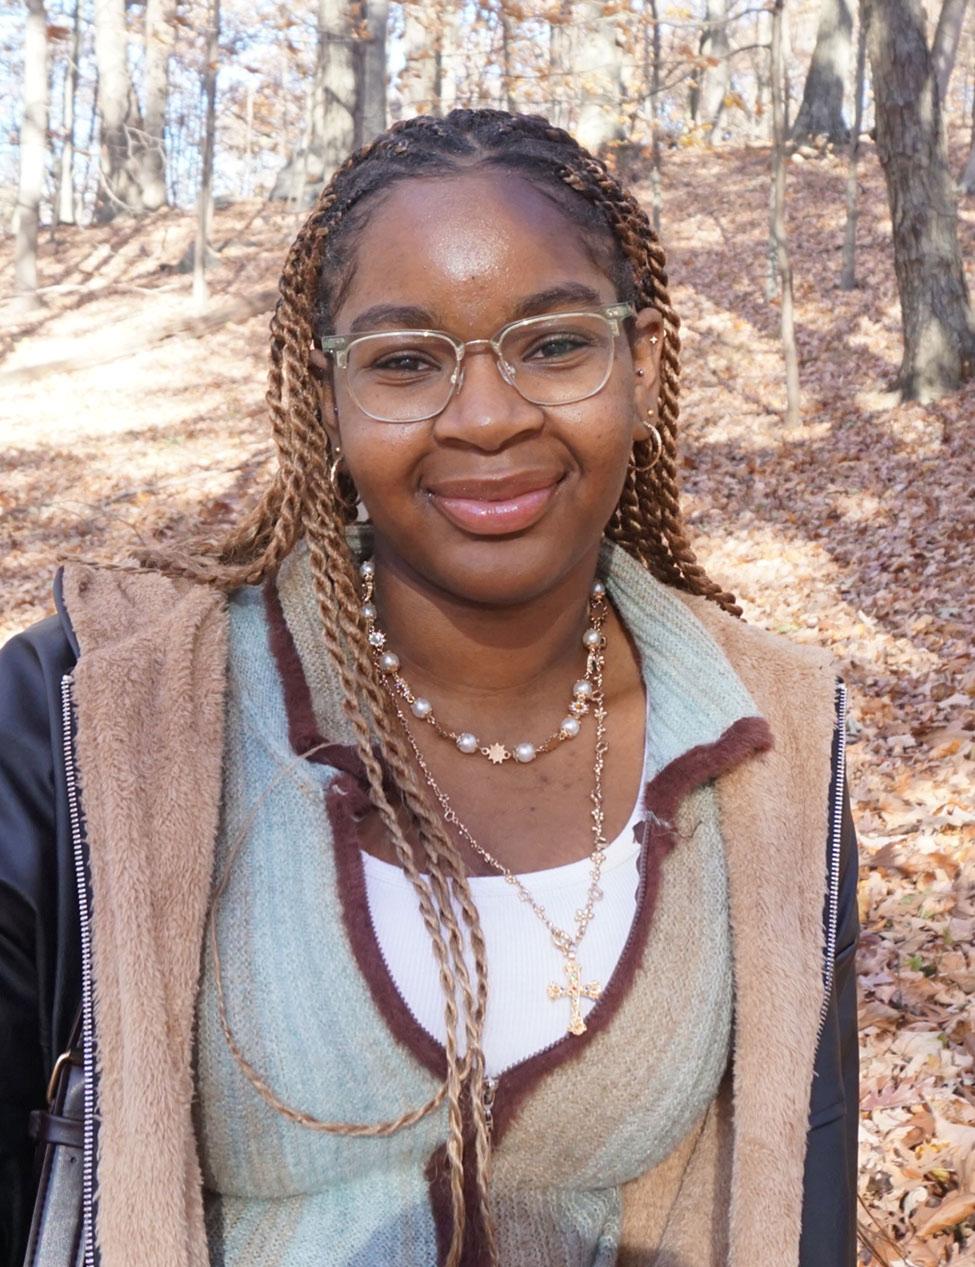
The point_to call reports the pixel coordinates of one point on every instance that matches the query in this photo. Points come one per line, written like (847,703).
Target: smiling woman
(459,879)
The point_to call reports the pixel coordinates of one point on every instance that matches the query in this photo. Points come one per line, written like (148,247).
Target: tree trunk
(249,141)
(783,261)
(122,133)
(507,42)
(204,207)
(762,115)
(33,149)
(848,277)
(710,85)
(821,111)
(598,76)
(560,66)
(656,156)
(939,333)
(373,97)
(335,109)
(65,204)
(159,47)
(944,47)
(420,77)
(967,182)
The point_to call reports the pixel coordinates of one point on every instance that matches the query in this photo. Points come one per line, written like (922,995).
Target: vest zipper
(833,857)
(84,907)
(490,1090)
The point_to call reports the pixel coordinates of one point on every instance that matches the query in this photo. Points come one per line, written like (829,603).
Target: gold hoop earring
(341,495)
(654,437)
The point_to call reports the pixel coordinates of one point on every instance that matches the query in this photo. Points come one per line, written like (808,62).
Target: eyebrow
(409,316)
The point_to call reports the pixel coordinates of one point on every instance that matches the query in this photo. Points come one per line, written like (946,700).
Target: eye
(553,346)
(404,363)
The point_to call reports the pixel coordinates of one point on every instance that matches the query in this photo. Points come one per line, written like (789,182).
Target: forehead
(466,248)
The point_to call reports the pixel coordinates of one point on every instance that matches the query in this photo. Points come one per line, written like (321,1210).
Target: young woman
(448,873)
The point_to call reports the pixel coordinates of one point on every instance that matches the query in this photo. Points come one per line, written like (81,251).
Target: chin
(497,571)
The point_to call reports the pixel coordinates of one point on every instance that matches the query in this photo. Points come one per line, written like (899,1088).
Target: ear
(646,345)
(321,370)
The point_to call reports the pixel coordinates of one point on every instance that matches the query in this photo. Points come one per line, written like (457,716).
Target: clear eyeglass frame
(338,346)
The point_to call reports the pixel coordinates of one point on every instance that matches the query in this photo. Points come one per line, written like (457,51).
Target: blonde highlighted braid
(301,502)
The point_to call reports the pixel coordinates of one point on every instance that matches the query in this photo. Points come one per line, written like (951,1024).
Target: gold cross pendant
(575,991)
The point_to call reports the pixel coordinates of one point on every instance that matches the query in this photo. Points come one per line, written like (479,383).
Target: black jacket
(40,953)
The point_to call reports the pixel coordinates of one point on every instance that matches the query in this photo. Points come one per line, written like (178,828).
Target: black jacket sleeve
(39,957)
(830,1186)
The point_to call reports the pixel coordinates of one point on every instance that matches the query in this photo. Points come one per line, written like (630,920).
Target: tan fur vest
(149,690)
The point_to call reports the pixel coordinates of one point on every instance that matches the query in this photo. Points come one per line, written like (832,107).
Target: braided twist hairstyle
(301,502)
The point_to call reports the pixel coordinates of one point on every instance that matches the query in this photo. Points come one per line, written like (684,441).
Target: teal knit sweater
(315,1011)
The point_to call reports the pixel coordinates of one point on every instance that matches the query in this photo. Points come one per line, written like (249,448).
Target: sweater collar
(694,693)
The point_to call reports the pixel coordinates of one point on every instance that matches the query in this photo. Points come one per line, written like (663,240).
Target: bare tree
(422,69)
(709,87)
(597,63)
(65,202)
(33,149)
(656,157)
(821,110)
(334,111)
(944,48)
(122,133)
(848,277)
(936,315)
(560,65)
(967,182)
(371,73)
(778,231)
(205,195)
(160,16)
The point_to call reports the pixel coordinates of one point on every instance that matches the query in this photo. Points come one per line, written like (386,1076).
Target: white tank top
(521,1019)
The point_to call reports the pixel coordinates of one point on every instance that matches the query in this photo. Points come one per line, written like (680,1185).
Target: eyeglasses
(412,375)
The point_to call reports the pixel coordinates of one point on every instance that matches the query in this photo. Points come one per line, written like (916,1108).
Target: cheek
(602,437)
(382,458)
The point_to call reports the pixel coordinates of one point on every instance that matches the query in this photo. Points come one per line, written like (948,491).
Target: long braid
(366,701)
(301,502)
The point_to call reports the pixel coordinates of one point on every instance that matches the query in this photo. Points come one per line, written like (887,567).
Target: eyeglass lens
(551,360)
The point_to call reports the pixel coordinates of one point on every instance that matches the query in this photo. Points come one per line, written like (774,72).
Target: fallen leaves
(854,531)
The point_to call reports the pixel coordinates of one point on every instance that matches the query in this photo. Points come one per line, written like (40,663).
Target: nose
(485,410)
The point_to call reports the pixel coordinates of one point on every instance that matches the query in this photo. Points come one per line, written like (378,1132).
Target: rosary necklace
(567,944)
(466,741)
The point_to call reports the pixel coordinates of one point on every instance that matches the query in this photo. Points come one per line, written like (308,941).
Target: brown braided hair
(301,502)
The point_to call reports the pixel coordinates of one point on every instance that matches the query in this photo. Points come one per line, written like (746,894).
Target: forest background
(811,168)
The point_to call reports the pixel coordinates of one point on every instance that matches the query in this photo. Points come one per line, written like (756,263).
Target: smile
(498,507)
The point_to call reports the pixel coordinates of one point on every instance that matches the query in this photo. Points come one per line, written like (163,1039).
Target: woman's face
(494,500)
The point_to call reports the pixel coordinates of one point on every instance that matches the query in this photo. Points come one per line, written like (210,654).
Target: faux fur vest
(150,695)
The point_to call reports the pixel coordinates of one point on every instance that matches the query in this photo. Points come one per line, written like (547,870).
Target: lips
(492,507)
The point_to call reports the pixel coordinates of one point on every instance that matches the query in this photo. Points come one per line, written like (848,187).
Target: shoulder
(111,605)
(786,678)
(754,645)
(32,664)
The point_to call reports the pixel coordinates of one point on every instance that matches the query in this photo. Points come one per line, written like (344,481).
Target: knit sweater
(314,1008)
(149,690)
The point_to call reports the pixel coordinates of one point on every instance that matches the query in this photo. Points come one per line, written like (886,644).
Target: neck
(480,651)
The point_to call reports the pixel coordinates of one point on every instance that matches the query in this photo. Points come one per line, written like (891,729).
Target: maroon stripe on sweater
(348,797)
(406,1029)
(661,798)
(303,734)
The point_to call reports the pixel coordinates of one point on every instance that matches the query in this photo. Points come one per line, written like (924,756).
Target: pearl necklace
(574,990)
(467,742)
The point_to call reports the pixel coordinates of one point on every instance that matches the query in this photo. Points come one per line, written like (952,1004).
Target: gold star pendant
(497,753)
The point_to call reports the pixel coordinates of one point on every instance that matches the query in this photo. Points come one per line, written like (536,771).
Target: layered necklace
(465,740)
(587,696)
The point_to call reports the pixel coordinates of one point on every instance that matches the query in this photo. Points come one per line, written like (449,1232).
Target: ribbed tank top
(521,957)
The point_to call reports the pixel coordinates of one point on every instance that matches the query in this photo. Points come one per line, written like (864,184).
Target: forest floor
(855,531)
